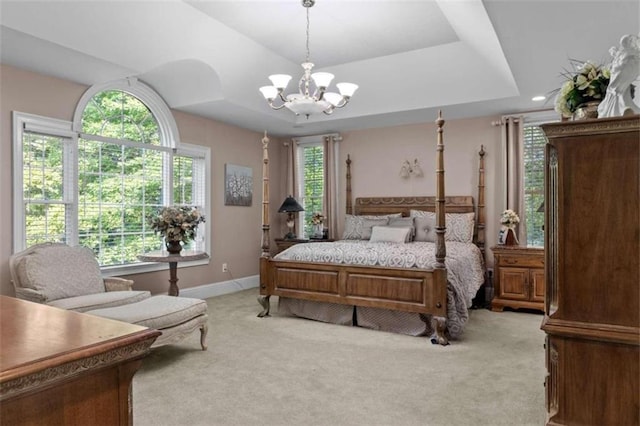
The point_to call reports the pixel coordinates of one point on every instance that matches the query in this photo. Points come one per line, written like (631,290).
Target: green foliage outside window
(534,145)
(313,184)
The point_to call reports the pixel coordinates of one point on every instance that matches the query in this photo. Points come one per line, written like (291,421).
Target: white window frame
(70,131)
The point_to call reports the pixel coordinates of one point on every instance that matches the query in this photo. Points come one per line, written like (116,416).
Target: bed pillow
(459,225)
(390,234)
(359,227)
(404,222)
(425,228)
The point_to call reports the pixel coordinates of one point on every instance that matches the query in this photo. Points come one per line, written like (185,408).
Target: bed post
(481,219)
(439,323)
(263,299)
(441,250)
(349,199)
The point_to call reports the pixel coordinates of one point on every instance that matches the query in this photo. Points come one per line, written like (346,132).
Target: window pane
(119,189)
(43,170)
(43,188)
(183,180)
(119,115)
(534,143)
(45,222)
(311,160)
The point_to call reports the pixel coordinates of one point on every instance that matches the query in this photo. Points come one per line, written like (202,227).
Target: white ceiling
(469,58)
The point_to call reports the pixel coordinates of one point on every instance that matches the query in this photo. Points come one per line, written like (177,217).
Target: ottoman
(174,317)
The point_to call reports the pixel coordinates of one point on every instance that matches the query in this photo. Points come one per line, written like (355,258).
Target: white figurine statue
(625,69)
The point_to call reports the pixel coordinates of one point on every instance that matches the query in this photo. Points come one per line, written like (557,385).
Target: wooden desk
(172,260)
(61,367)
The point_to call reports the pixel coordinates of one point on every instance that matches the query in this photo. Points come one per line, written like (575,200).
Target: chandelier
(312,96)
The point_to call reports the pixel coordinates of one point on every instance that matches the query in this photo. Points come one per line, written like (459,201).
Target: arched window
(121,162)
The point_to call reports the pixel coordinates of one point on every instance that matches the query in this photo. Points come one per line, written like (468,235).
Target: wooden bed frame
(411,290)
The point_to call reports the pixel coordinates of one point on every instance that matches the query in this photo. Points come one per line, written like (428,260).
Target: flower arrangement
(177,223)
(588,82)
(509,218)
(317,218)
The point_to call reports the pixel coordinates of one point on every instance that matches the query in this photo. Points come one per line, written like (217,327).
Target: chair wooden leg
(203,336)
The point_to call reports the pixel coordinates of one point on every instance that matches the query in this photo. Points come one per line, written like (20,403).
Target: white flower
(509,217)
(177,223)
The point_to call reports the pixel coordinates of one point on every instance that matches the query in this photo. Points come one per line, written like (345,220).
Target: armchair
(69,278)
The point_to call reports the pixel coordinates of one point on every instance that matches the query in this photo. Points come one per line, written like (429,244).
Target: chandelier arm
(274,106)
(345,100)
(281,96)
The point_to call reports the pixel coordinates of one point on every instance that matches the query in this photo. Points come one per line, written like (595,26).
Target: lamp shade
(290,205)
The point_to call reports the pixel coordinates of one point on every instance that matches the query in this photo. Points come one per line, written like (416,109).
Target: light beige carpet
(289,371)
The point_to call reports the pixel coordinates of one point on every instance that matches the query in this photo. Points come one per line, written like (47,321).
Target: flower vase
(510,238)
(173,247)
(587,111)
(317,231)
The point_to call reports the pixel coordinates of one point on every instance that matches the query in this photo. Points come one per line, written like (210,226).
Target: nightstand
(518,277)
(283,243)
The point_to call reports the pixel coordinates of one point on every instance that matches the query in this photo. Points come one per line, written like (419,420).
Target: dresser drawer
(520,261)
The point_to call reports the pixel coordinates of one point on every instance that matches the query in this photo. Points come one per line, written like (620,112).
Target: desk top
(163,256)
(36,337)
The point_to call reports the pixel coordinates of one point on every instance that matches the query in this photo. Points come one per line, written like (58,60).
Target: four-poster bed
(422,289)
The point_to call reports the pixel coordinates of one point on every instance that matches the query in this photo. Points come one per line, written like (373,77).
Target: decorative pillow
(390,234)
(425,228)
(404,222)
(359,227)
(459,225)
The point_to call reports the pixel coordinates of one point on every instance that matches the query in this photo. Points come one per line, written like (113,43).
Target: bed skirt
(373,318)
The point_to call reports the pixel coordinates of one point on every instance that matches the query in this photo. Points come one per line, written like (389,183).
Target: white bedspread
(464,262)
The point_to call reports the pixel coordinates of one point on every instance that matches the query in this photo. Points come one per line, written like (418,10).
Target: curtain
(330,200)
(292,177)
(512,149)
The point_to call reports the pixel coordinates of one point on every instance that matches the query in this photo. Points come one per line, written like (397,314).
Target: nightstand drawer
(521,261)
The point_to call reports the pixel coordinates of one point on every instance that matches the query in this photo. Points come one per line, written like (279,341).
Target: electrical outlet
(225,267)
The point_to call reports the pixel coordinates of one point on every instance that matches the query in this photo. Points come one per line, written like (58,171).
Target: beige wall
(377,156)
(235,231)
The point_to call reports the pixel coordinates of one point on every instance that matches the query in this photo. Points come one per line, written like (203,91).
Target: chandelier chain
(307,34)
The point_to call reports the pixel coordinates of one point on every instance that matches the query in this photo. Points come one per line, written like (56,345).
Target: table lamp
(290,206)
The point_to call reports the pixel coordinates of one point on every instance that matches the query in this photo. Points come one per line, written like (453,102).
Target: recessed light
(538,98)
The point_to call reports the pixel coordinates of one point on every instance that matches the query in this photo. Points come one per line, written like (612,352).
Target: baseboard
(223,287)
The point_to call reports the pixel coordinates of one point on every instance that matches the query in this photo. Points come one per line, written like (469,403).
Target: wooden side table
(519,277)
(172,260)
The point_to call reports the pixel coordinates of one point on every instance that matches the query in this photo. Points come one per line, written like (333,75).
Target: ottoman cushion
(95,301)
(156,312)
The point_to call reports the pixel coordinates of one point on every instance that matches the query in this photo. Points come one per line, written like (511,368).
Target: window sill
(143,267)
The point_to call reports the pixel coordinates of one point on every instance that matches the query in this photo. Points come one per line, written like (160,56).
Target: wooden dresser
(592,306)
(60,367)
(518,277)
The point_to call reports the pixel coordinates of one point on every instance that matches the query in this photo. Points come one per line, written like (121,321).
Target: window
(310,161)
(96,186)
(533,149)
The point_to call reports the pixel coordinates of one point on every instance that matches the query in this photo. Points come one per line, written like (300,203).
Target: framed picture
(502,236)
(238,185)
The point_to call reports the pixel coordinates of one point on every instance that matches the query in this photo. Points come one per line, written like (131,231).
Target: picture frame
(502,236)
(238,185)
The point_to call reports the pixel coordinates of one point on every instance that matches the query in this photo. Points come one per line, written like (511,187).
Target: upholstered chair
(69,278)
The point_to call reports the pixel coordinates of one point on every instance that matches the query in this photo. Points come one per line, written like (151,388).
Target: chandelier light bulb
(312,97)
